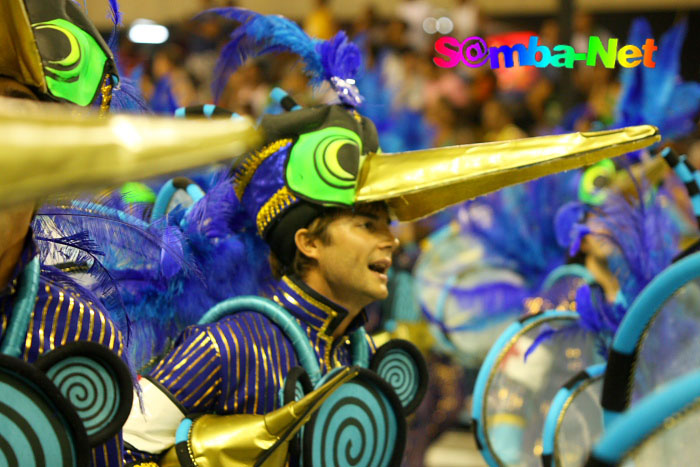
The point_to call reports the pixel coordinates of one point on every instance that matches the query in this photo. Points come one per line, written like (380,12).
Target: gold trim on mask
(280,201)
(19,55)
(245,172)
(418,183)
(106,91)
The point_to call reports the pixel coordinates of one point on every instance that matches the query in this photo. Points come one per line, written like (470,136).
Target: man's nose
(390,240)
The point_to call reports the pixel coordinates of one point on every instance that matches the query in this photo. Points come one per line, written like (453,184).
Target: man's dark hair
(318,229)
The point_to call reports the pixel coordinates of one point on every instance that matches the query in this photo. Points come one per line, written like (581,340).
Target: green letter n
(595,47)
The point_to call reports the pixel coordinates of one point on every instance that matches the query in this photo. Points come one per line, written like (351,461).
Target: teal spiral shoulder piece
(95,382)
(361,423)
(279,316)
(37,425)
(24,305)
(401,364)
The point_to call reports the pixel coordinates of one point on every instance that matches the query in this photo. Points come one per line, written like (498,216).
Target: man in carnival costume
(321,194)
(49,51)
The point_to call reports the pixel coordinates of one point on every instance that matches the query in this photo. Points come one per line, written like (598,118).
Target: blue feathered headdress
(645,240)
(657,96)
(336,60)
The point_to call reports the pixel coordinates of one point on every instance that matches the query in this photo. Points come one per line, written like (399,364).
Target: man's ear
(305,244)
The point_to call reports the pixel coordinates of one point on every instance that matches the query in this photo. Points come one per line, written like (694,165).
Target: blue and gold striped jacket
(238,365)
(63,313)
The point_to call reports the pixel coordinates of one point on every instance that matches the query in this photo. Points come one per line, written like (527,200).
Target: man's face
(356,260)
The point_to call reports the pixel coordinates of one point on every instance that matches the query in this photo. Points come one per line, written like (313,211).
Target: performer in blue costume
(320,193)
(55,54)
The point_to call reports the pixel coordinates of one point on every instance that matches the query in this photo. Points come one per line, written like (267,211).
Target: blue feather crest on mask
(336,60)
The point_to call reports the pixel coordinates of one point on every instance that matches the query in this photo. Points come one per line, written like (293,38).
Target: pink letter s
(455,56)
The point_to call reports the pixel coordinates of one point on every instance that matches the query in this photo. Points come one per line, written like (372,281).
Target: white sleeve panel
(152,431)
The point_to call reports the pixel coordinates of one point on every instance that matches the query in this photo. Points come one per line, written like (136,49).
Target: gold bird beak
(418,183)
(48,148)
(260,440)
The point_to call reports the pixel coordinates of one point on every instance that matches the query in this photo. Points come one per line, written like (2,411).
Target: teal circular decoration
(361,424)
(37,427)
(90,388)
(401,372)
(95,382)
(400,363)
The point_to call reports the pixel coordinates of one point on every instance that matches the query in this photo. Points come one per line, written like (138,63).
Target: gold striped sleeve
(44,312)
(71,304)
(103,326)
(224,390)
(192,392)
(263,358)
(186,361)
(30,331)
(247,367)
(278,345)
(234,359)
(91,326)
(176,355)
(217,384)
(54,321)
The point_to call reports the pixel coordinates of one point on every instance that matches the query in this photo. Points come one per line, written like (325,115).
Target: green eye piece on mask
(73,61)
(595,181)
(324,165)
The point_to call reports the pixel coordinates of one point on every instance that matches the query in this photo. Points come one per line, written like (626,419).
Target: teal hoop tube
(167,191)
(279,316)
(559,404)
(22,313)
(490,361)
(630,429)
(576,270)
(360,348)
(625,347)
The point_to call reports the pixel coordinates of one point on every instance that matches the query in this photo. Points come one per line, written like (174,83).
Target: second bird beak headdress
(54,48)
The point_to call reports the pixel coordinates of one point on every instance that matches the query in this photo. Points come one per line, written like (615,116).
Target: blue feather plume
(115,16)
(163,100)
(645,240)
(656,95)
(219,240)
(520,232)
(261,34)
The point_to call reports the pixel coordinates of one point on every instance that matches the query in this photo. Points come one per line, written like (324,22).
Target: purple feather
(260,34)
(541,338)
(169,264)
(339,57)
(115,16)
(127,98)
(656,96)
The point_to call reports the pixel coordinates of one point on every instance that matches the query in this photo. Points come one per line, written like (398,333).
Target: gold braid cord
(273,207)
(247,169)
(106,95)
